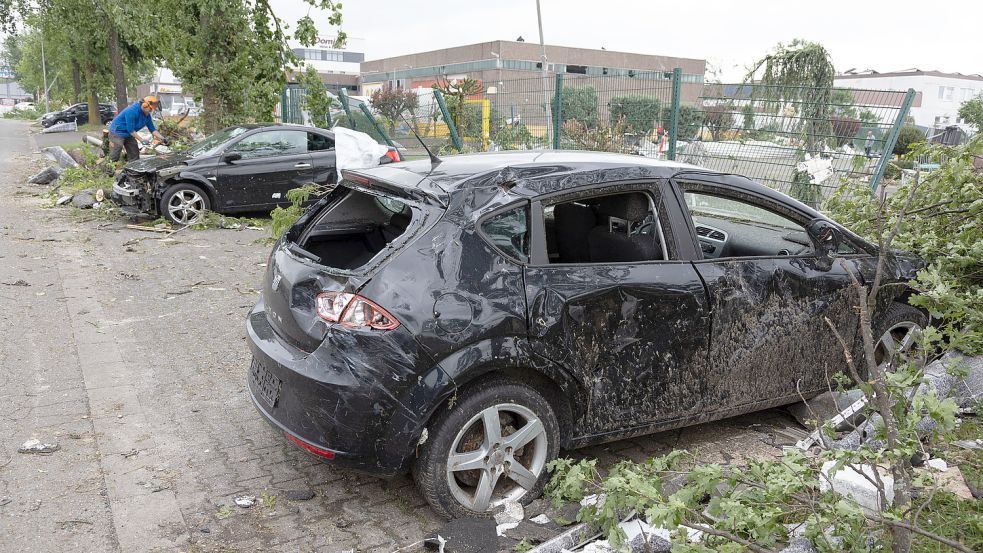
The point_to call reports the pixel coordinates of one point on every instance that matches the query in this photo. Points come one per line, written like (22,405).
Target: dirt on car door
(633,333)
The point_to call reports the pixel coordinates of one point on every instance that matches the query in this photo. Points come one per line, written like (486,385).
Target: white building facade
(941,93)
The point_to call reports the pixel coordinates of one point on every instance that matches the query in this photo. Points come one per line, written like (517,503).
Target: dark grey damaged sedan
(467,320)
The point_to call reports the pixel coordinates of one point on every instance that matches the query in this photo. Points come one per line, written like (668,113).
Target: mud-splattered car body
(618,348)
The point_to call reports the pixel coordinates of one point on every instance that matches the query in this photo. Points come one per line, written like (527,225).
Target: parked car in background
(80,114)
(238,169)
(465,320)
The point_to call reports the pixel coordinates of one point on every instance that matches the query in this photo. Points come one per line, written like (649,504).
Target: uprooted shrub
(944,227)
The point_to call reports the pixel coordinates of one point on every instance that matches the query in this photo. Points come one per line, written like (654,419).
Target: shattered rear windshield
(209,145)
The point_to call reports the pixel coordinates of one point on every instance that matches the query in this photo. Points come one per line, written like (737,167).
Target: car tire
(184,204)
(528,422)
(59,122)
(894,330)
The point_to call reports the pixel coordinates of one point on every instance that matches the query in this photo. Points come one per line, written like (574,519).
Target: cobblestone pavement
(128,350)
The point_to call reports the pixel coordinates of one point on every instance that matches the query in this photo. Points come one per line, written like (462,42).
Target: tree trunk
(76,81)
(90,89)
(116,62)
(211,104)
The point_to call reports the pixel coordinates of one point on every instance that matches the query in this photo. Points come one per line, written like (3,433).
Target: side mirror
(229,157)
(826,237)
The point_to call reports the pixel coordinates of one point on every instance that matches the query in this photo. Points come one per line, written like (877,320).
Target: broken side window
(613,228)
(728,227)
(509,231)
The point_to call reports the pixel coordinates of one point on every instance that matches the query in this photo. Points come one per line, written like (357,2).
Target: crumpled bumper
(130,197)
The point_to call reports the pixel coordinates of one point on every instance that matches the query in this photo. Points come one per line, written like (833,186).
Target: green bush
(579,104)
(893,169)
(908,138)
(640,113)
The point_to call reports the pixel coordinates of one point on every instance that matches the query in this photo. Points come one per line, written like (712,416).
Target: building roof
(854,73)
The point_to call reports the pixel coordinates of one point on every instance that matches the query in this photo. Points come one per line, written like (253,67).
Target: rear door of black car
(770,295)
(634,333)
(322,149)
(273,162)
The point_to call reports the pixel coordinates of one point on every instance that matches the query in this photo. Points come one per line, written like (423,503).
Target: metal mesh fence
(799,140)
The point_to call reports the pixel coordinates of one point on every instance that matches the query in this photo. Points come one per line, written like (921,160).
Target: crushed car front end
(134,191)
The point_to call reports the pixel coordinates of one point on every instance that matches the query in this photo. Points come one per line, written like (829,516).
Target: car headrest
(633,206)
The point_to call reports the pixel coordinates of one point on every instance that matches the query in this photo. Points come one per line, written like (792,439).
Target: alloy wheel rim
(487,467)
(186,206)
(895,341)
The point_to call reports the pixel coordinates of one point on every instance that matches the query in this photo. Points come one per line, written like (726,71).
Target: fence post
(343,96)
(378,127)
(677,77)
(327,114)
(892,139)
(451,128)
(557,111)
(283,104)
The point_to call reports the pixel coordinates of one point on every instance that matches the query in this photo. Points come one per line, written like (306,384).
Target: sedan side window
(509,231)
(726,227)
(272,143)
(319,142)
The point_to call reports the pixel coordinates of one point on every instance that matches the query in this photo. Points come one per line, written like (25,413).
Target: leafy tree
(579,104)
(316,99)
(908,138)
(971,111)
(799,75)
(233,54)
(392,103)
(454,93)
(639,114)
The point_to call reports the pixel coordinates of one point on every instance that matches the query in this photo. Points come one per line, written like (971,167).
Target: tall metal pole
(546,99)
(44,74)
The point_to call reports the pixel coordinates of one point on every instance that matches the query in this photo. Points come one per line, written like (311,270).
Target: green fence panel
(343,97)
(677,77)
(892,139)
(558,112)
(451,127)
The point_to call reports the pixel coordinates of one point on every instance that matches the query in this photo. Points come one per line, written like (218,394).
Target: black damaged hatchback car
(465,320)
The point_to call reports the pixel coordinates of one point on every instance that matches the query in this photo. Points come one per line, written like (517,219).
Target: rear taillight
(353,311)
(393,155)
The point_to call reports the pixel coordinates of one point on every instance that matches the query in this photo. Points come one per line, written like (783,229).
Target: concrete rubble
(46,175)
(853,484)
(71,126)
(60,156)
(37,447)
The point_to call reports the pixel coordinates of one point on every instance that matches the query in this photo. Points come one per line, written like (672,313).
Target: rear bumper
(339,398)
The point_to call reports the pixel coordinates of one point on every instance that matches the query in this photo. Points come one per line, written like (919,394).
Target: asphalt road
(128,350)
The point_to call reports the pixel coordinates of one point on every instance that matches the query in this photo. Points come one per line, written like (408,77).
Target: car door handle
(302,166)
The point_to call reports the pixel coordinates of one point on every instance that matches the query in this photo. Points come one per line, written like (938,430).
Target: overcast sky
(880,34)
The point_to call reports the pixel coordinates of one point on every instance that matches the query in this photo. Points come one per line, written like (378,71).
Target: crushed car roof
(538,172)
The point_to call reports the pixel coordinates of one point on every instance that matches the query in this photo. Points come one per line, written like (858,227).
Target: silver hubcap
(505,440)
(186,206)
(896,341)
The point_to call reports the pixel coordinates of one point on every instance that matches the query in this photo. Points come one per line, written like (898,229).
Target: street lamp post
(546,101)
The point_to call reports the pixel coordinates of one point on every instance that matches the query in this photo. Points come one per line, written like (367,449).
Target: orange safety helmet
(149,102)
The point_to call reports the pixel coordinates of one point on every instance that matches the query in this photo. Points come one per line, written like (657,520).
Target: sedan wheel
(498,456)
(184,204)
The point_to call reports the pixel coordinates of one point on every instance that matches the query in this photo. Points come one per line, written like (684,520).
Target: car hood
(156,163)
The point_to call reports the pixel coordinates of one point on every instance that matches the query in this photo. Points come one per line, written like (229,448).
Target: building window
(946,93)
